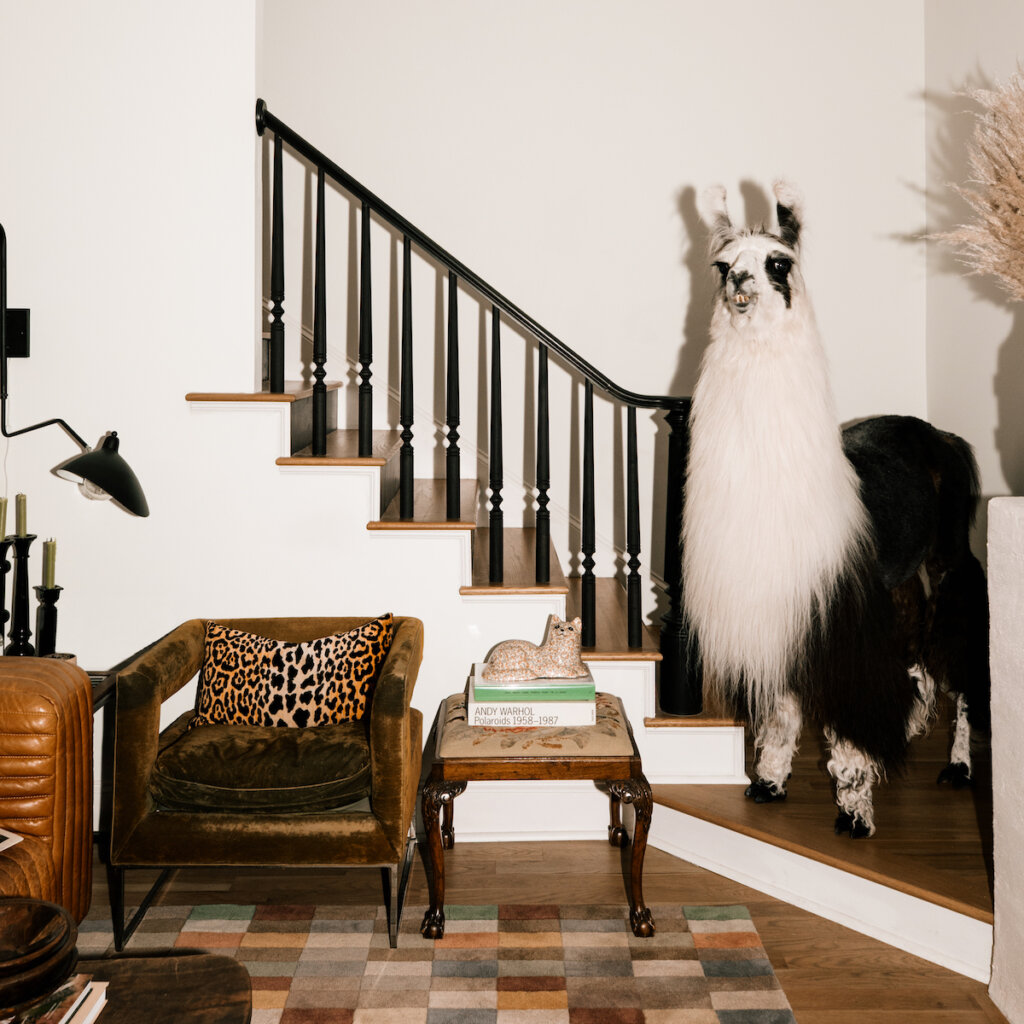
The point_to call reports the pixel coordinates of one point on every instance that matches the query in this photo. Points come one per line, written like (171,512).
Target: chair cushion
(261,768)
(254,680)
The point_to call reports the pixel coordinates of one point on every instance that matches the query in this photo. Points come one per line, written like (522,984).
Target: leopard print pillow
(252,680)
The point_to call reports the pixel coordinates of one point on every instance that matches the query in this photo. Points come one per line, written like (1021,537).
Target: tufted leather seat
(46,781)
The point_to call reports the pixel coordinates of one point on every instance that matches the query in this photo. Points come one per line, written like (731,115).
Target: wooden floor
(830,974)
(932,841)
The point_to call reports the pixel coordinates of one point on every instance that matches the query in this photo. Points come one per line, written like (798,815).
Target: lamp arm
(35,426)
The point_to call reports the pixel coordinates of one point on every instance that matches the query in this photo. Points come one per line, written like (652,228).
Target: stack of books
(530,703)
(78,1001)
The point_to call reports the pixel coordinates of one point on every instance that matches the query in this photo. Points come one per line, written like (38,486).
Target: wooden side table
(605,753)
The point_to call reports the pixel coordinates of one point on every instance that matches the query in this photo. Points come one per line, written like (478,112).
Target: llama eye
(779,266)
(723,269)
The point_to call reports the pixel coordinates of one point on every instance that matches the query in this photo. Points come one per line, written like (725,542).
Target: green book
(548,688)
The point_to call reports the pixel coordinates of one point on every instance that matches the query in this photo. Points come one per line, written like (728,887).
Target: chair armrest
(142,687)
(396,731)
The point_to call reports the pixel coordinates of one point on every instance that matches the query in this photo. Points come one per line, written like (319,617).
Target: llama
(827,575)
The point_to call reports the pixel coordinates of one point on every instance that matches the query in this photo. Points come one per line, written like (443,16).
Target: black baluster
(452,470)
(681,686)
(496,562)
(543,471)
(277,277)
(588,583)
(320,327)
(405,500)
(633,612)
(365,341)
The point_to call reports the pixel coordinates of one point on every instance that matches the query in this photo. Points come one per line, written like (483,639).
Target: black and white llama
(827,573)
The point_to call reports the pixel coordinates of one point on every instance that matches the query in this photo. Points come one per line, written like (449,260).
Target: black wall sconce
(100,472)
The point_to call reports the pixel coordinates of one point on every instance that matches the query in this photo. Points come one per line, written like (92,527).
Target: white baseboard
(944,937)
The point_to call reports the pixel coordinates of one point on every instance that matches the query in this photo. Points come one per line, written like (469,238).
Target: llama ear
(789,208)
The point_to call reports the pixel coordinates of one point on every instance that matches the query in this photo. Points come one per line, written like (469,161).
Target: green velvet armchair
(228,795)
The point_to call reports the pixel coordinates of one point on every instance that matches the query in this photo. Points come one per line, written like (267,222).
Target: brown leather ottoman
(46,783)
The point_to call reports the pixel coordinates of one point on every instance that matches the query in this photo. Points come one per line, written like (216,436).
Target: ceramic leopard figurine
(558,657)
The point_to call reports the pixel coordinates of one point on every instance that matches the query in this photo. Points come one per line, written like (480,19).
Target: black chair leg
(396,882)
(115,880)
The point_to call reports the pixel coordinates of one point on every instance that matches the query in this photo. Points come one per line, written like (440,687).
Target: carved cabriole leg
(617,835)
(436,794)
(636,791)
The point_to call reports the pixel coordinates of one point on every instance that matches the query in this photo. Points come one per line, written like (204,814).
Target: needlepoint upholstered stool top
(604,753)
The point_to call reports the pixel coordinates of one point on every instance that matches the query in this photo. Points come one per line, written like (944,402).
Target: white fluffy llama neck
(773,507)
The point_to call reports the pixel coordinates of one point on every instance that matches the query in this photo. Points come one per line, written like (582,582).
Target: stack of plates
(37,950)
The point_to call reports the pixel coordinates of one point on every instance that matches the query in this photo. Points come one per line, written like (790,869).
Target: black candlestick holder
(20,629)
(5,568)
(46,620)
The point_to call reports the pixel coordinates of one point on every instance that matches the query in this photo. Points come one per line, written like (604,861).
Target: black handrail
(680,689)
(265,119)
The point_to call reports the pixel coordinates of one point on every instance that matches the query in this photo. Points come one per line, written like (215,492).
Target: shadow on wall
(956,115)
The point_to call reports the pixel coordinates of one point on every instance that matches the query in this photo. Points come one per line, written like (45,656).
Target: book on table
(531,703)
(77,1001)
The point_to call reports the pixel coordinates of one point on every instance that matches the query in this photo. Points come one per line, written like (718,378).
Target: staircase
(478,568)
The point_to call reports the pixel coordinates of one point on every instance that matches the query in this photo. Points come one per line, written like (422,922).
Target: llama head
(757,269)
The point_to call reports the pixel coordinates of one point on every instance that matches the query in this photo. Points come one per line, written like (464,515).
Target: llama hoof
(764,792)
(956,773)
(848,823)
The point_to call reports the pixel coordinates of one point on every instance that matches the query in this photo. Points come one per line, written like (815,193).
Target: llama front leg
(958,771)
(776,744)
(854,774)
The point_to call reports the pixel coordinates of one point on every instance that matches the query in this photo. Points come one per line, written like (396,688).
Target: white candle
(49,562)
(20,515)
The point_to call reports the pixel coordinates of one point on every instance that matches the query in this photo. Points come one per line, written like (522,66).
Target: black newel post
(682,689)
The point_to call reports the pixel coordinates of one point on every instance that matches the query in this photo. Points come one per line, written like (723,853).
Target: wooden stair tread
(932,842)
(294,390)
(430,508)
(519,564)
(612,625)
(343,450)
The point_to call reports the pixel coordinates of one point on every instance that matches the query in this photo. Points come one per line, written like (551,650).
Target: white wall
(127,190)
(1006,587)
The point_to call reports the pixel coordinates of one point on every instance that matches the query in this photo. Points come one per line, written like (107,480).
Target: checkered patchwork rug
(505,964)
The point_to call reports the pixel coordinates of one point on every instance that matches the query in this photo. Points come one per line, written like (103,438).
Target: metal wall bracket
(17,340)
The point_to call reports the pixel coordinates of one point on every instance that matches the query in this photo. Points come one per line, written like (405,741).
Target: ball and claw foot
(762,792)
(956,773)
(846,822)
(433,925)
(642,923)
(617,836)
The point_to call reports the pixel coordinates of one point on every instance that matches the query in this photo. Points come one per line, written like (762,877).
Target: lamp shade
(103,469)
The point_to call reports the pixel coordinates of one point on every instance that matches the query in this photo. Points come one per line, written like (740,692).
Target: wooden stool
(605,753)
